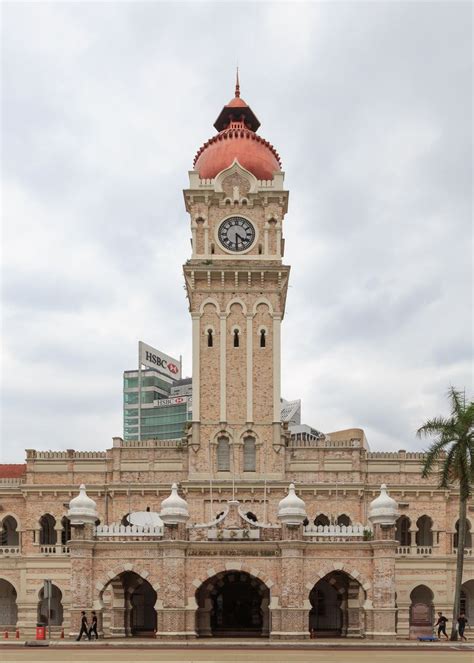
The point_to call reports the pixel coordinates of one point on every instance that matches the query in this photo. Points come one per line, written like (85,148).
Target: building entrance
(336,607)
(233,604)
(128,607)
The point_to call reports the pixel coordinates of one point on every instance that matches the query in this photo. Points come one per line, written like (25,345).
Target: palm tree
(452,455)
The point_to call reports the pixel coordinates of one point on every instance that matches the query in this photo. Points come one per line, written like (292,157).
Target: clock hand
(239,237)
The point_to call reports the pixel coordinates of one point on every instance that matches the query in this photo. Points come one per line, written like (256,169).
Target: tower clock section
(236,286)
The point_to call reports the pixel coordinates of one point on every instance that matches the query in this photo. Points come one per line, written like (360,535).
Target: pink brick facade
(223,572)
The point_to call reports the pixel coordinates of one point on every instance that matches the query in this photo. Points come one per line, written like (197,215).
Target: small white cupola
(174,509)
(383,510)
(291,509)
(82,509)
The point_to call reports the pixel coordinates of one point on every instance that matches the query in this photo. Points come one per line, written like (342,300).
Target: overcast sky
(104,106)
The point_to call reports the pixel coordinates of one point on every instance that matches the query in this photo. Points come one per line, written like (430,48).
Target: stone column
(413,546)
(403,619)
(172,611)
(293,614)
(81,555)
(382,622)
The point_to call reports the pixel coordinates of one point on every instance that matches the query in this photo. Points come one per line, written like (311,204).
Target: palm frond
(434,426)
(432,455)
(447,468)
(458,401)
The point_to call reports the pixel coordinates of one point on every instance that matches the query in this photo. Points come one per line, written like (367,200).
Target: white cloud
(104,107)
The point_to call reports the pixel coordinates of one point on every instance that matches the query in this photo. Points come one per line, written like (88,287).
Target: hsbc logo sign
(168,402)
(159,361)
(153,358)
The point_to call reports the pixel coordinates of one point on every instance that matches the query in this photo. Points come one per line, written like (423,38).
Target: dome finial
(237,84)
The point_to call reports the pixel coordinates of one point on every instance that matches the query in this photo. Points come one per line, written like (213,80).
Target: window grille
(249,455)
(223,455)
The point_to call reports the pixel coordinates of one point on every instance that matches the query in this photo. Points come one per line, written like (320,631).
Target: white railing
(424,550)
(54,550)
(9,550)
(403,550)
(467,552)
(335,532)
(418,550)
(128,531)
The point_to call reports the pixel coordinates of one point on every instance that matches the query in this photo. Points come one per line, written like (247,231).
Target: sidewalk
(243,643)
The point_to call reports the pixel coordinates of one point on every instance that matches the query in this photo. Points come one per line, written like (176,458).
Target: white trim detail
(249,369)
(276,368)
(196,340)
(223,368)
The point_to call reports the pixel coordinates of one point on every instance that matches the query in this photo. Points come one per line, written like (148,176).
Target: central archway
(233,604)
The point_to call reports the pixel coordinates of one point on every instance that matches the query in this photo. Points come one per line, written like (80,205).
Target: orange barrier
(62,634)
(5,635)
(17,634)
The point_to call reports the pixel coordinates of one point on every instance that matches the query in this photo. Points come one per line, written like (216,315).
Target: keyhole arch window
(210,337)
(236,337)
(262,337)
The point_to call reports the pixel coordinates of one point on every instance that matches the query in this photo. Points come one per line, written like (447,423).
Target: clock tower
(236,286)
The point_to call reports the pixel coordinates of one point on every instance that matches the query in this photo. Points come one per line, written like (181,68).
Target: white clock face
(236,233)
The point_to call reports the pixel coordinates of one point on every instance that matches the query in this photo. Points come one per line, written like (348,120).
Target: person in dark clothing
(84,630)
(462,622)
(93,628)
(441,624)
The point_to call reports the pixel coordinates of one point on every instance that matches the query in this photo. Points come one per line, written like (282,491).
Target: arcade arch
(8,607)
(337,606)
(467,600)
(128,606)
(10,535)
(421,611)
(56,613)
(233,604)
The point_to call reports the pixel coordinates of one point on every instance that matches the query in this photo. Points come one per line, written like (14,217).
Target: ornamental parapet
(340,533)
(115,532)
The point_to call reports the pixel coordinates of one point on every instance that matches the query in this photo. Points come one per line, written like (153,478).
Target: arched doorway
(233,604)
(56,614)
(421,612)
(337,606)
(128,606)
(467,600)
(8,608)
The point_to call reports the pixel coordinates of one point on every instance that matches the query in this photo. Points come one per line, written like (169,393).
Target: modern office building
(158,409)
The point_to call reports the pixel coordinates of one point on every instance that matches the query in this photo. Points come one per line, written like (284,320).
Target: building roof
(12,471)
(237,139)
(178,383)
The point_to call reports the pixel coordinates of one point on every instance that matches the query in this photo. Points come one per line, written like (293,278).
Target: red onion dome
(237,139)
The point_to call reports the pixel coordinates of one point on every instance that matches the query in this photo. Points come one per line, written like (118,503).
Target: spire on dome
(237,110)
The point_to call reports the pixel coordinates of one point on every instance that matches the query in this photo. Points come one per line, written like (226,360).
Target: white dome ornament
(383,510)
(174,509)
(82,509)
(291,509)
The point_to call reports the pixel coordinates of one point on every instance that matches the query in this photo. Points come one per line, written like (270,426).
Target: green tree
(451,454)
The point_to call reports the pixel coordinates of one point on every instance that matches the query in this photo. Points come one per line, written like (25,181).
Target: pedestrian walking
(441,624)
(462,623)
(84,630)
(93,628)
